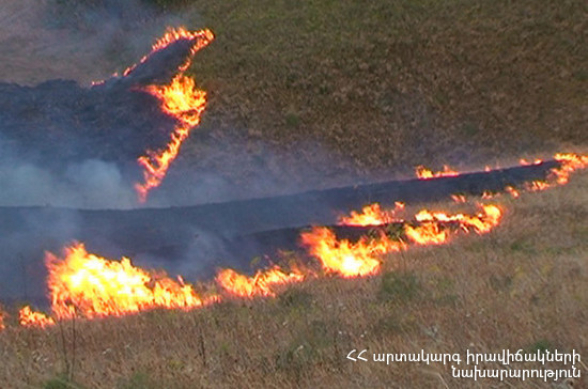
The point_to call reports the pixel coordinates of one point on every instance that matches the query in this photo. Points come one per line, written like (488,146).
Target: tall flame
(2,326)
(179,99)
(345,258)
(92,286)
(183,101)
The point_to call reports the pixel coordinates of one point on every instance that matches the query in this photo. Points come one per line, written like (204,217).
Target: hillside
(314,94)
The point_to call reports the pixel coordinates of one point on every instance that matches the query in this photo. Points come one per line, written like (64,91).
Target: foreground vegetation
(380,85)
(523,286)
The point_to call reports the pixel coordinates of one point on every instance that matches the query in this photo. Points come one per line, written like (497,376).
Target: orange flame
(259,285)
(459,198)
(30,318)
(345,258)
(512,191)
(429,232)
(201,39)
(488,195)
(360,259)
(424,173)
(2,326)
(93,286)
(569,164)
(371,215)
(181,100)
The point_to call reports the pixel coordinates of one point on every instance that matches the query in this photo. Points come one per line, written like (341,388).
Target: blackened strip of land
(268,244)
(137,229)
(201,235)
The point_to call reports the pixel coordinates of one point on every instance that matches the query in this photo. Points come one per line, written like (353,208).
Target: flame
(345,258)
(30,318)
(201,39)
(259,285)
(459,198)
(360,259)
(569,164)
(430,231)
(488,195)
(371,215)
(93,286)
(423,173)
(512,191)
(183,101)
(179,99)
(2,314)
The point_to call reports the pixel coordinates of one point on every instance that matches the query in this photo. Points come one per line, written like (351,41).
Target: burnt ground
(195,241)
(59,122)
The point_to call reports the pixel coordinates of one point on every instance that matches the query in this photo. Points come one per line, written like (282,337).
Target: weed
(399,286)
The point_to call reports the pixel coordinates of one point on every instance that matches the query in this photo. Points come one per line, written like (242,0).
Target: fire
(371,215)
(569,164)
(92,286)
(30,318)
(427,234)
(488,195)
(360,259)
(1,320)
(186,103)
(179,99)
(459,198)
(424,173)
(345,258)
(201,39)
(430,231)
(512,191)
(259,285)
(525,162)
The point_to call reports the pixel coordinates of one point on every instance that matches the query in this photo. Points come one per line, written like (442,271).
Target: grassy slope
(404,82)
(389,84)
(525,285)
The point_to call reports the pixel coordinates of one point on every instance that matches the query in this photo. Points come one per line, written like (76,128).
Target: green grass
(395,83)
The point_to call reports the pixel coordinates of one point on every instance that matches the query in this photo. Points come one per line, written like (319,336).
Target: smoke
(212,171)
(85,184)
(87,41)
(81,40)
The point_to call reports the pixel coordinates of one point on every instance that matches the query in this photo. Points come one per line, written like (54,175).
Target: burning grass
(523,285)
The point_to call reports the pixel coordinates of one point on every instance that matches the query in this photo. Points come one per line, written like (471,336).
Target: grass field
(523,286)
(379,86)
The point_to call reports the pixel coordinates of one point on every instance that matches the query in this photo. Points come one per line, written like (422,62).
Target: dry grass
(525,285)
(387,85)
(392,84)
